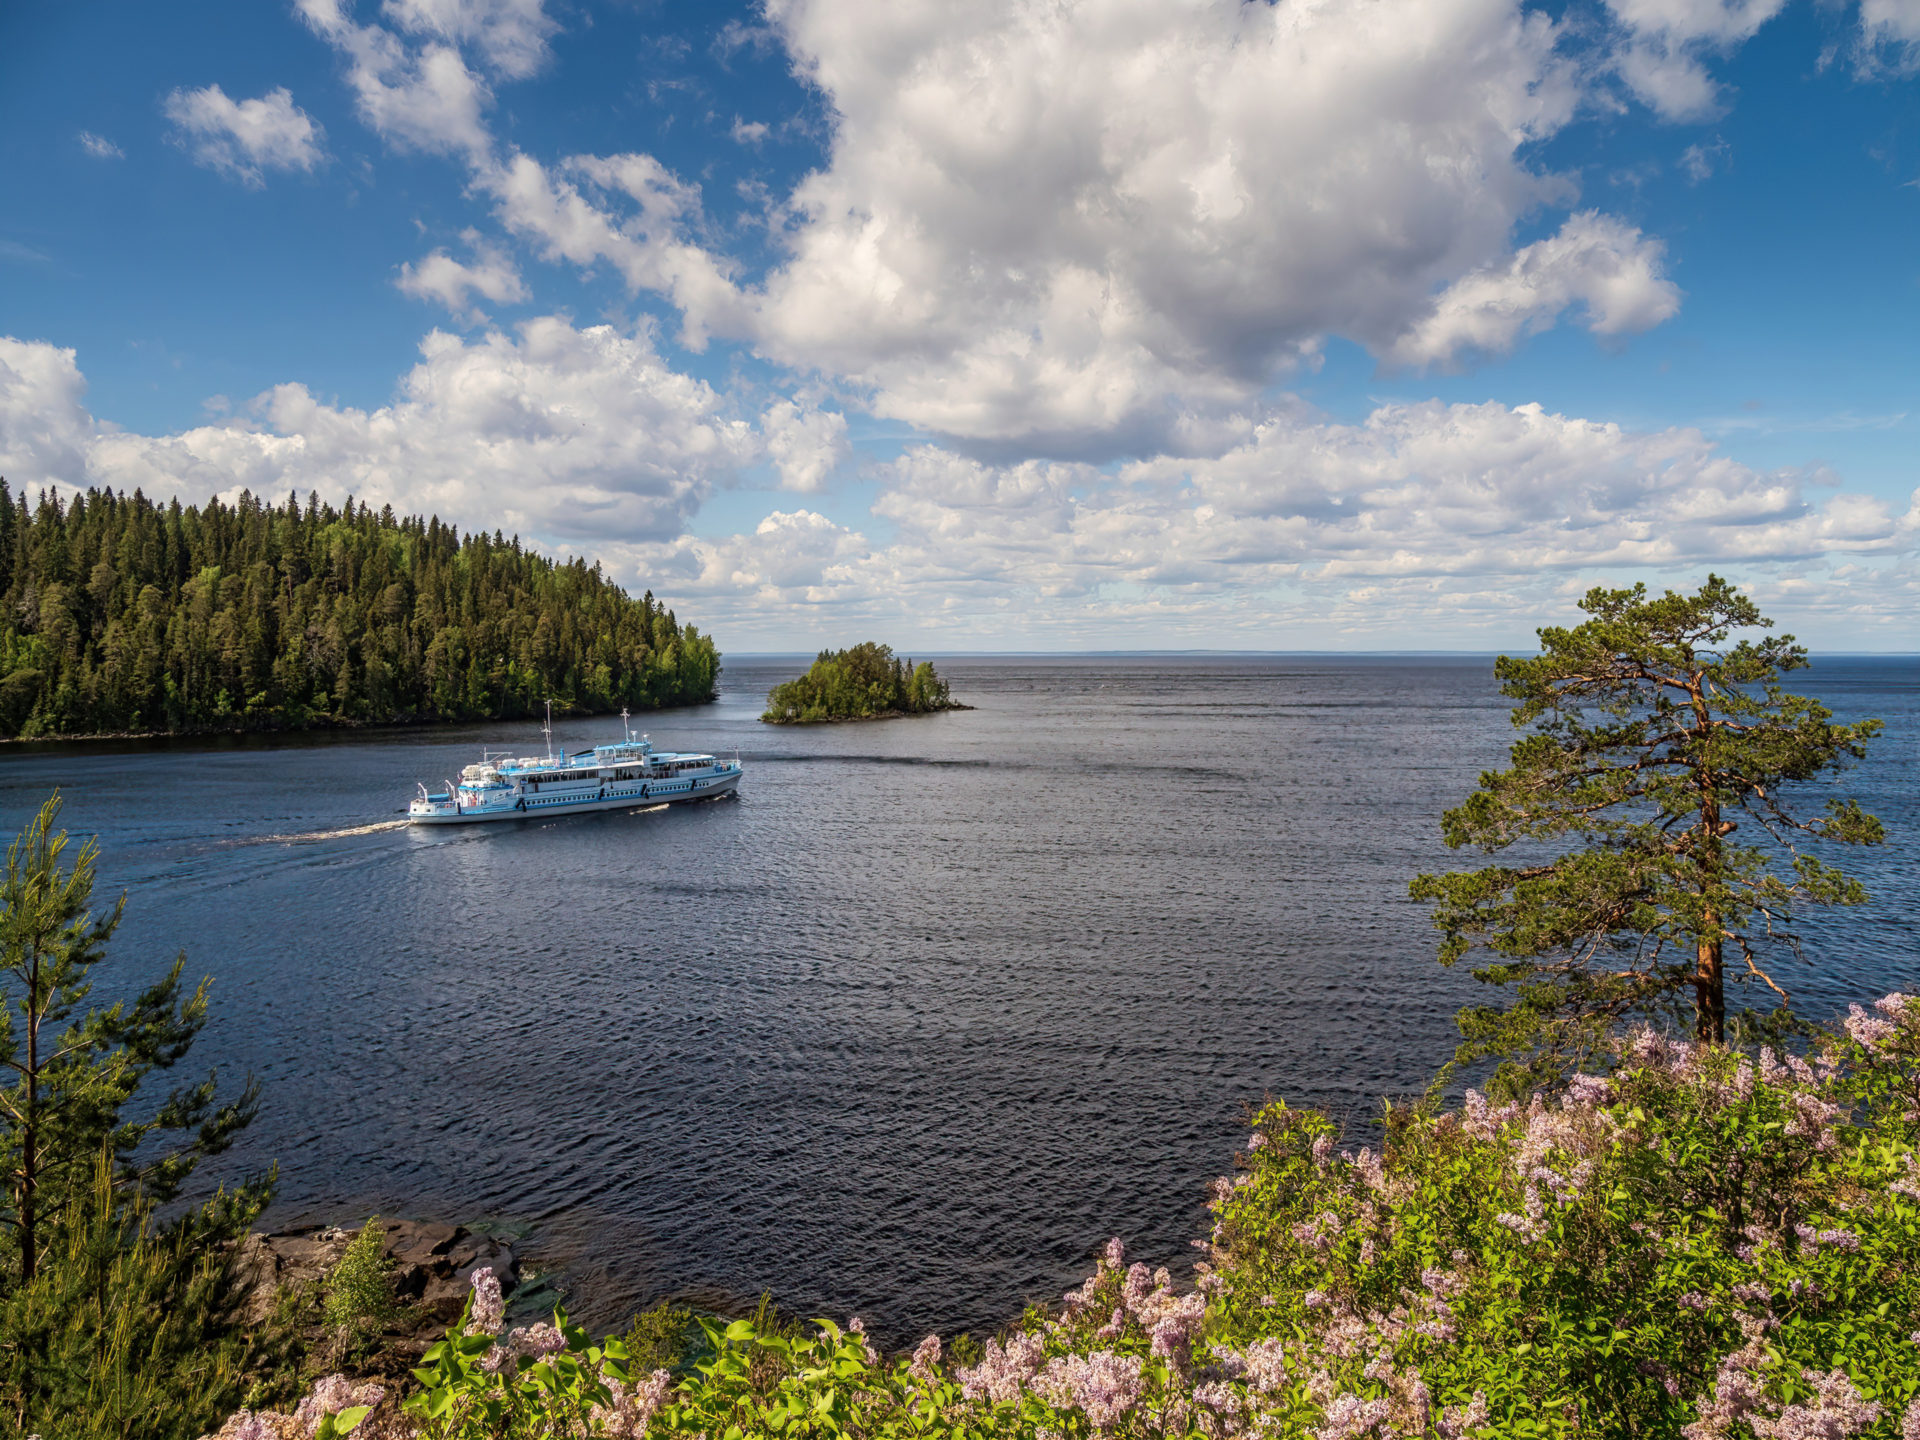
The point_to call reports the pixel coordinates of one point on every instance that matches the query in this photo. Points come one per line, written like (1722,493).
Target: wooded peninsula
(867,682)
(118,615)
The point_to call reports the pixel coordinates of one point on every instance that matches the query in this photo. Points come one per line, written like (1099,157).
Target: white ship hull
(628,774)
(658,792)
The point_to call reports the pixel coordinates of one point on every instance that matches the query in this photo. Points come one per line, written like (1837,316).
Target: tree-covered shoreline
(119,616)
(866,682)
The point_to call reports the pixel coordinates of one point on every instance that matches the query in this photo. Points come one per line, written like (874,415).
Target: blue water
(930,1011)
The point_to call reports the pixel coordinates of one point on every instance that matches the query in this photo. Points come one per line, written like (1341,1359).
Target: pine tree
(102,1311)
(1654,742)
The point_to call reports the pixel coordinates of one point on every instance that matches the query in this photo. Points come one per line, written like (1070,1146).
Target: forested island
(866,682)
(119,615)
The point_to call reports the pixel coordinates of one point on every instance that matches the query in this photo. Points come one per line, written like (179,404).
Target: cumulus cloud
(1447,517)
(1048,221)
(805,445)
(100,147)
(1092,229)
(424,98)
(567,212)
(450,282)
(1606,266)
(562,434)
(1668,42)
(44,428)
(245,139)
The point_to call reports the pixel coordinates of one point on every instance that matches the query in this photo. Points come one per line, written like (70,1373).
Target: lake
(925,1015)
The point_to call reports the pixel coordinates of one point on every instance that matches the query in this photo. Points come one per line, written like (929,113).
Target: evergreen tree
(120,615)
(101,1310)
(1653,743)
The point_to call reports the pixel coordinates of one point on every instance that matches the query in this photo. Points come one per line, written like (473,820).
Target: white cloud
(647,247)
(748,132)
(425,99)
(1427,520)
(44,428)
(439,277)
(1608,267)
(100,147)
(805,445)
(1668,41)
(511,35)
(1071,225)
(568,436)
(1093,229)
(1698,162)
(245,139)
(1890,33)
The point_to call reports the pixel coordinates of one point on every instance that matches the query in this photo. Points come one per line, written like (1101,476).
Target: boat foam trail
(332,834)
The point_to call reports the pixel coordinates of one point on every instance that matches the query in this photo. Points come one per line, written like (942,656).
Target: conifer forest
(119,615)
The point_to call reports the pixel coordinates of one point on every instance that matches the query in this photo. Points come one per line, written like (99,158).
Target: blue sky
(1319,324)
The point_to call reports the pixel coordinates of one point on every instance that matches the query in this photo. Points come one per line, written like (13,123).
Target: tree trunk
(29,1129)
(1709,995)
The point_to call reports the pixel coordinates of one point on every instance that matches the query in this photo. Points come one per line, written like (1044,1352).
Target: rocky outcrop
(433,1265)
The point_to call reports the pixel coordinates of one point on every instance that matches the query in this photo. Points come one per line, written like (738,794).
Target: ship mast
(547,729)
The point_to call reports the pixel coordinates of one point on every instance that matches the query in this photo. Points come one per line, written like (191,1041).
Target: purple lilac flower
(1348,1417)
(1910,1422)
(1837,1411)
(1003,1371)
(1116,1252)
(1738,1392)
(1463,1419)
(1134,1290)
(925,1366)
(1266,1366)
(1868,1030)
(1174,1332)
(1103,1386)
(489,1311)
(330,1395)
(537,1341)
(633,1406)
(1694,1301)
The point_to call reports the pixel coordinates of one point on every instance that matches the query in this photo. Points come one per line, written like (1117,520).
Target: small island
(867,682)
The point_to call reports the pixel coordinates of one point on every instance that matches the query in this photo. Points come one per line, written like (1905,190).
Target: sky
(1011,325)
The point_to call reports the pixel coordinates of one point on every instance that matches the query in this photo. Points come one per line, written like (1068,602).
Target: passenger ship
(626,773)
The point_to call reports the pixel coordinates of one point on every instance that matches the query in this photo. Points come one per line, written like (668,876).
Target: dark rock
(433,1267)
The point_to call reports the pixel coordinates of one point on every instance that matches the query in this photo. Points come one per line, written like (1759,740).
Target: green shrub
(360,1297)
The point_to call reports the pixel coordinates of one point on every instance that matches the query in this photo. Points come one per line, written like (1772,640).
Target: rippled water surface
(928,1012)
